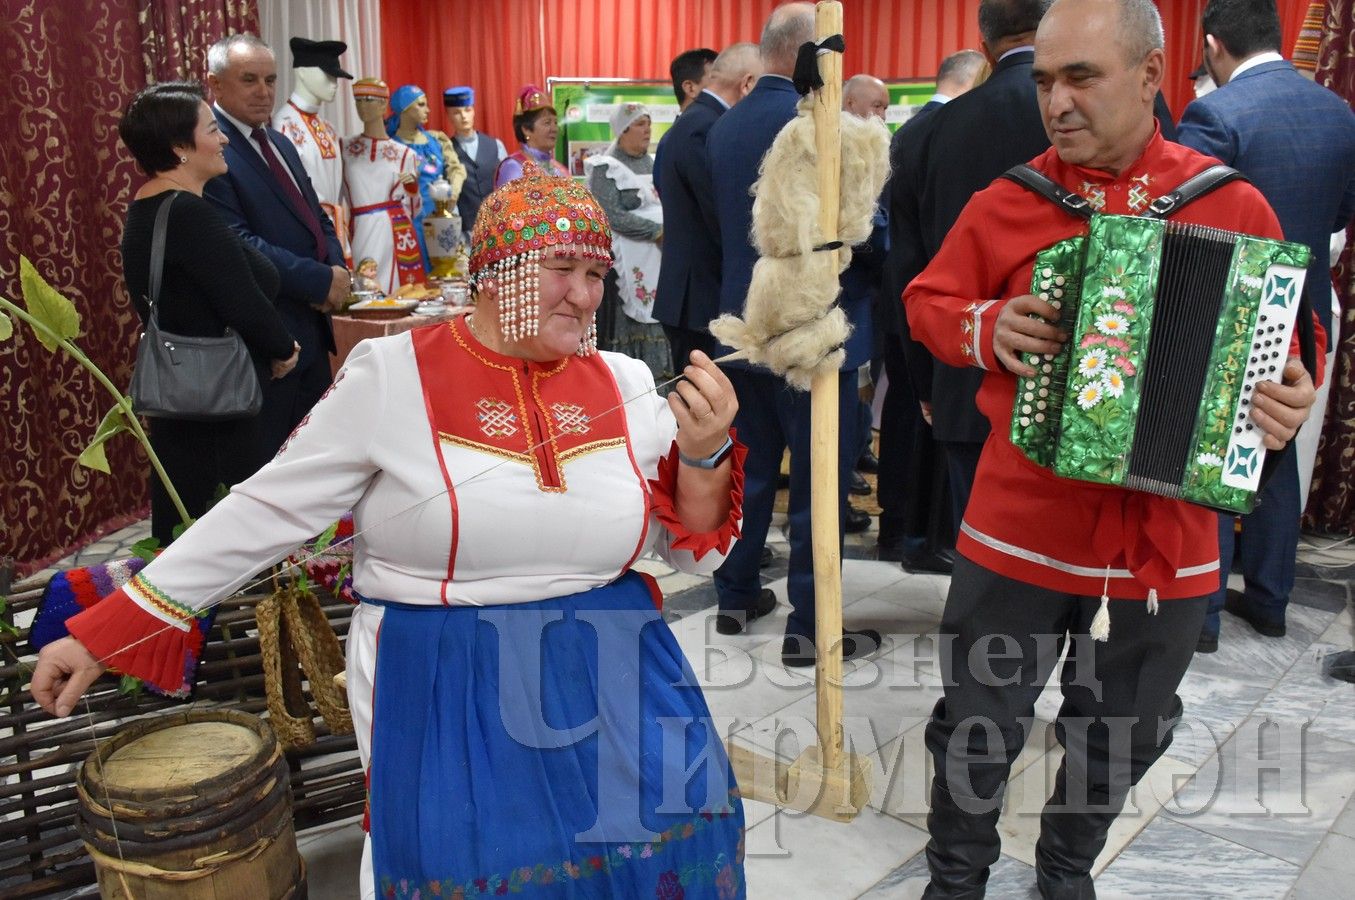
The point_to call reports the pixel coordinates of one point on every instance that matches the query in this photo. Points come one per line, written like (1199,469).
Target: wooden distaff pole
(823,436)
(826,780)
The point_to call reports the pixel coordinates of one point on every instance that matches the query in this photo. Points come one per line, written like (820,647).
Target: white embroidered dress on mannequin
(377,175)
(637,262)
(317,143)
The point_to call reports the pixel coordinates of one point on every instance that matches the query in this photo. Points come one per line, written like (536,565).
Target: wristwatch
(712,461)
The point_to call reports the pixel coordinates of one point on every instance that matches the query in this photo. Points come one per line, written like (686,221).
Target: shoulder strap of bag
(1192,189)
(158,256)
(1033,180)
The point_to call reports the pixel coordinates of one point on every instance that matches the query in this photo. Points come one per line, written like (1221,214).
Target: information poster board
(585,108)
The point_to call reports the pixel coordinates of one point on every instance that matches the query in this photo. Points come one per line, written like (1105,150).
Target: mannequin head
(315,84)
(409,110)
(415,115)
(316,64)
(370,96)
(460,104)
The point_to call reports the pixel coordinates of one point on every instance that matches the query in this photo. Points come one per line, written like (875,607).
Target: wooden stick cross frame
(825,780)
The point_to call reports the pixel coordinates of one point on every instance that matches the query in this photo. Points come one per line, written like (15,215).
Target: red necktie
(292,191)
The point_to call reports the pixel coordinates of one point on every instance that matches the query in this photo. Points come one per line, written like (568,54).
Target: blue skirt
(560,748)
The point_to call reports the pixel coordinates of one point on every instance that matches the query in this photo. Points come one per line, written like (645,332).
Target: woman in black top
(212,281)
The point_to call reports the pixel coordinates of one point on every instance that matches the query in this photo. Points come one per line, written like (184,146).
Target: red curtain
(1331,502)
(500,47)
(65,182)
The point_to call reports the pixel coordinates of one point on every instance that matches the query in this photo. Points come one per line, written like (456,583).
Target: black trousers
(683,341)
(962,463)
(1001,640)
(286,401)
(200,458)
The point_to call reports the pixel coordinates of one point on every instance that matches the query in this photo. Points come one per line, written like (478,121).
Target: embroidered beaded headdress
(515,227)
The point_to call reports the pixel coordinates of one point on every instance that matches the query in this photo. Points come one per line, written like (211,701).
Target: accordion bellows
(1171,327)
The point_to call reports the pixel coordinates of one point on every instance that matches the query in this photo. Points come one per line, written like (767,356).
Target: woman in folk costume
(380,177)
(526,716)
(622,178)
(437,158)
(537,127)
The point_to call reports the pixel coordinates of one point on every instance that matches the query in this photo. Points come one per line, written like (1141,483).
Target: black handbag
(193,378)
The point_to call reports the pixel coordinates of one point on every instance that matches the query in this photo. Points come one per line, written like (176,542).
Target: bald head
(789,26)
(960,72)
(735,71)
(865,96)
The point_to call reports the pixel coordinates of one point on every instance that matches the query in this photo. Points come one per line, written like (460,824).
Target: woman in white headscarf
(622,179)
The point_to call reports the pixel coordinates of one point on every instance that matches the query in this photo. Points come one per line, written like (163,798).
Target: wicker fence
(40,852)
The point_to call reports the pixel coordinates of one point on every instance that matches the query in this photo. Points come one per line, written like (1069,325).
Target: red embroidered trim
(664,491)
(123,636)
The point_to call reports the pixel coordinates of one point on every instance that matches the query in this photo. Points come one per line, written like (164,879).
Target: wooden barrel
(192,805)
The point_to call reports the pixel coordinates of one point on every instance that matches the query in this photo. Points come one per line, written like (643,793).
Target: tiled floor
(1253,799)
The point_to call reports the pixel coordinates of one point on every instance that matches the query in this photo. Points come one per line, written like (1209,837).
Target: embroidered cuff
(976,339)
(664,493)
(140,631)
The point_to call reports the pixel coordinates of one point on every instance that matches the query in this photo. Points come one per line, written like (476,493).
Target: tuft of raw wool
(786,325)
(790,321)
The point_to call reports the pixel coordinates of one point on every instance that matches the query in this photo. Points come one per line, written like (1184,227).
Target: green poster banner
(585,109)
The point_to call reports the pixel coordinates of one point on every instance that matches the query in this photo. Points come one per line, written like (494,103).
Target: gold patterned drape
(65,181)
(1331,502)
(175,34)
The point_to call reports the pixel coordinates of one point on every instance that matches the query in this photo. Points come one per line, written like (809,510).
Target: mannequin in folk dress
(436,156)
(316,71)
(381,184)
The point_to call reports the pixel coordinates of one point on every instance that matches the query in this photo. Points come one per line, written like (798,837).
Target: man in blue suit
(1295,140)
(267,197)
(689,280)
(771,415)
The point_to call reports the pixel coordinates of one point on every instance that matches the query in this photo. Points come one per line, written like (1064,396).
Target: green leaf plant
(56,323)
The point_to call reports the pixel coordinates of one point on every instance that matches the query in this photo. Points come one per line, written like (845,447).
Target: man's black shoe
(890,550)
(856,521)
(868,462)
(730,623)
(798,651)
(1340,665)
(940,562)
(1208,643)
(767,557)
(1237,604)
(859,486)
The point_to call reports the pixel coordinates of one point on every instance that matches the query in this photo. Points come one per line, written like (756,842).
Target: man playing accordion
(1039,552)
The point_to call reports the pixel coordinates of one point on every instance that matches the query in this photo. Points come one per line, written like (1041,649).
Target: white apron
(637,262)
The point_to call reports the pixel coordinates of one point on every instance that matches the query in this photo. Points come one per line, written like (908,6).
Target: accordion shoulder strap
(1034,180)
(1193,188)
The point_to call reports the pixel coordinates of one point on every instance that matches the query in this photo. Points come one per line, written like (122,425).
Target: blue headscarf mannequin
(432,166)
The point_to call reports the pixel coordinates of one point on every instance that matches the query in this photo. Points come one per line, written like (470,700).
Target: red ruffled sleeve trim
(124,636)
(664,493)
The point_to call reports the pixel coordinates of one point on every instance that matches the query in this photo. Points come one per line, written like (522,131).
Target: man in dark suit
(267,197)
(915,521)
(690,71)
(972,140)
(1295,141)
(771,415)
(688,294)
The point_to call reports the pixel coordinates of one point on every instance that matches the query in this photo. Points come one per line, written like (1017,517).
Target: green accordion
(1171,327)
